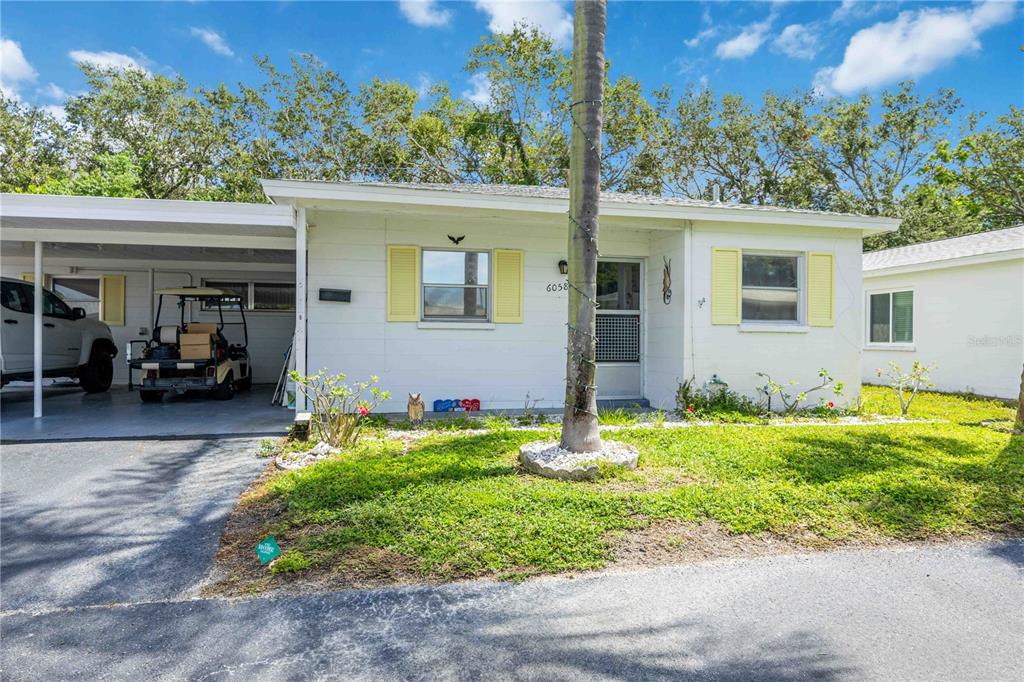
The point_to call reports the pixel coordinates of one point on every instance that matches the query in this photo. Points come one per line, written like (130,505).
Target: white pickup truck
(74,345)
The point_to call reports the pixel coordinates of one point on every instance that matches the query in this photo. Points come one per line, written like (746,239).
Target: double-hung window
(456,285)
(891,317)
(771,288)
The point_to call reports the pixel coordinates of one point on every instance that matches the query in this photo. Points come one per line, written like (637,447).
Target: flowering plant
(791,402)
(906,384)
(338,409)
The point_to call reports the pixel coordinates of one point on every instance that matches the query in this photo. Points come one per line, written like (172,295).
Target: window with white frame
(771,287)
(79,292)
(455,285)
(891,317)
(256,296)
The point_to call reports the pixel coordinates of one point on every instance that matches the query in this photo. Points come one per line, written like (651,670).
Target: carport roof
(161,222)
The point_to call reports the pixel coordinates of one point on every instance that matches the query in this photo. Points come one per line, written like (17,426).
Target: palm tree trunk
(579,423)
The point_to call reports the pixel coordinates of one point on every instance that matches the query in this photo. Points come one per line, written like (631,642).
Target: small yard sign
(268,550)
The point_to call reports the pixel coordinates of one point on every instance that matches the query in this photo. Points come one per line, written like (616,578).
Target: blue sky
(744,47)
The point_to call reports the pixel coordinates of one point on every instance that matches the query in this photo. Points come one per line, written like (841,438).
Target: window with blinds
(891,317)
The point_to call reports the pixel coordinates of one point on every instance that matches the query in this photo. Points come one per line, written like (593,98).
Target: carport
(134,246)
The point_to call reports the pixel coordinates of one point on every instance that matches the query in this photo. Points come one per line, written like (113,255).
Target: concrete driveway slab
(935,613)
(71,414)
(99,522)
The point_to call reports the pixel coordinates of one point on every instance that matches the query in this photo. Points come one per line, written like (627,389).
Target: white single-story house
(457,292)
(955,303)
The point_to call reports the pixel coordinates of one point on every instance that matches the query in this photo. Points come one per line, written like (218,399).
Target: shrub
(715,403)
(791,402)
(291,561)
(617,417)
(906,384)
(339,409)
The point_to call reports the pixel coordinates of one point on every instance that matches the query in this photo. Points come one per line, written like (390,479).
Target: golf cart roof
(197,292)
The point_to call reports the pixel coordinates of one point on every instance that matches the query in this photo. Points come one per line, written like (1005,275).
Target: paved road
(105,544)
(935,613)
(100,522)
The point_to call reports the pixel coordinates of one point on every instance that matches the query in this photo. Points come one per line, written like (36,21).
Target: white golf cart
(193,356)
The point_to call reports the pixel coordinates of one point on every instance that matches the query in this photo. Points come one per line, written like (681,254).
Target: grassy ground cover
(452,505)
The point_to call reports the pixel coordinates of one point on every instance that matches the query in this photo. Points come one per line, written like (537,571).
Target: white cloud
(53,91)
(797,41)
(746,43)
(424,13)
(212,40)
(700,37)
(57,111)
(547,15)
(480,89)
(106,60)
(423,84)
(850,10)
(913,44)
(14,69)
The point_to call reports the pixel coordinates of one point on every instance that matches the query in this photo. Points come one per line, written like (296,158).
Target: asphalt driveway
(103,522)
(104,546)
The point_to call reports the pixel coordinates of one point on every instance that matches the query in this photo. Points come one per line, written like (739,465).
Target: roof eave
(939,264)
(309,192)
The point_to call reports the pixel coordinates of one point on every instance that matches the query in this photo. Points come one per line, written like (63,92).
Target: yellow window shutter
(112,300)
(726,274)
(403,283)
(821,287)
(508,286)
(30,277)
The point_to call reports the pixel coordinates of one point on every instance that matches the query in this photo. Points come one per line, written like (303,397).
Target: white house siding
(968,320)
(736,354)
(499,364)
(665,347)
(269,332)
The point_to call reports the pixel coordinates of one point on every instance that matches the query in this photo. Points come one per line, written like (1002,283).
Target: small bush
(719,404)
(498,422)
(291,561)
(339,410)
(906,384)
(792,402)
(267,448)
(617,417)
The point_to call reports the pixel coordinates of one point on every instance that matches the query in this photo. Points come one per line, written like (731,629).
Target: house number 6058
(559,286)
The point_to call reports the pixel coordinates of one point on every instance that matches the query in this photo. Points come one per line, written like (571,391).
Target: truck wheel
(226,389)
(151,396)
(96,375)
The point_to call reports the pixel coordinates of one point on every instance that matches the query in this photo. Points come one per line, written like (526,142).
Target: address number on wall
(558,286)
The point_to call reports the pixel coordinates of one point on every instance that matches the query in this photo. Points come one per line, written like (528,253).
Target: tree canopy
(918,157)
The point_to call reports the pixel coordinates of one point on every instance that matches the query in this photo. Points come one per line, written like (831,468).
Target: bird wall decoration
(456,240)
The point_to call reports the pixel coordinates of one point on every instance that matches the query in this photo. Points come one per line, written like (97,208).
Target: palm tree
(579,423)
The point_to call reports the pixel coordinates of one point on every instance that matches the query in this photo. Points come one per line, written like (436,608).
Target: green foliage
(112,175)
(133,133)
(338,409)
(457,506)
(715,404)
(791,402)
(617,417)
(291,561)
(906,384)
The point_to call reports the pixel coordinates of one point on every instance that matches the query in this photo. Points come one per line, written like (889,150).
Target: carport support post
(299,350)
(37,334)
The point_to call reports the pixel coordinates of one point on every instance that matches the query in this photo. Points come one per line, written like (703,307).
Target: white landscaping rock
(547,458)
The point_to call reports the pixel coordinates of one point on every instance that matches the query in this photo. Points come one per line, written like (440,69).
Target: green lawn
(455,505)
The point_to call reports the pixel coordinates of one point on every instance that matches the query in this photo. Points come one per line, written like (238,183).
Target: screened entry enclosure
(618,329)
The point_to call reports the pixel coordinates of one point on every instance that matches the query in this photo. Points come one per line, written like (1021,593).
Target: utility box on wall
(337,295)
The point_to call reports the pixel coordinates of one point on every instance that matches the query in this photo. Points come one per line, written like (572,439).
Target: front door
(619,296)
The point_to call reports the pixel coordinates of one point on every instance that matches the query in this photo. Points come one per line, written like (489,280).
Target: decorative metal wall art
(666,281)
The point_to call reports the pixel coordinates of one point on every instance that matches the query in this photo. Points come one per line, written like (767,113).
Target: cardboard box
(195,346)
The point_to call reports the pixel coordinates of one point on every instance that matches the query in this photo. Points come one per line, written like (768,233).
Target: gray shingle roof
(562,193)
(993,241)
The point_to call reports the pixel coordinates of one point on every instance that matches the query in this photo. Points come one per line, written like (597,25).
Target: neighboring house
(956,303)
(457,291)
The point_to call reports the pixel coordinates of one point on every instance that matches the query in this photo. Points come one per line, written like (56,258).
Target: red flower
(831,404)
(363,410)
(689,408)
